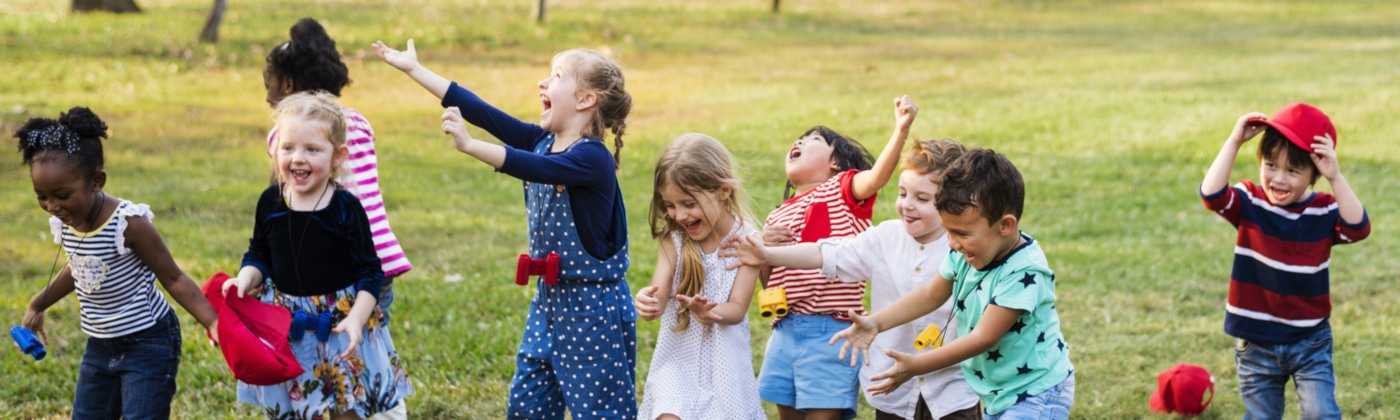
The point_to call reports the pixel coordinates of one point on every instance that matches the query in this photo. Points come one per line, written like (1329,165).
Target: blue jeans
(386,297)
(1053,404)
(132,376)
(1264,370)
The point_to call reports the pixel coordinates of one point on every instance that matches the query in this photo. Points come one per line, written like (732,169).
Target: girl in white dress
(702,367)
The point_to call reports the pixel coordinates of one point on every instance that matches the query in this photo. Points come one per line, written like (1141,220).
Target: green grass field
(1112,110)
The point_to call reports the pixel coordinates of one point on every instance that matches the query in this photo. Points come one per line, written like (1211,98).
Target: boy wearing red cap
(1279,301)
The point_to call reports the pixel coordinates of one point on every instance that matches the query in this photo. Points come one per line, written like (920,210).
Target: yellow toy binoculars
(930,339)
(772,302)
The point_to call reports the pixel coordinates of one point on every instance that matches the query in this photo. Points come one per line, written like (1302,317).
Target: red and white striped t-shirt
(360,175)
(827,211)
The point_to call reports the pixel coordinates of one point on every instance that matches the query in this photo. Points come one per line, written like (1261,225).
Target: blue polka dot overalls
(579,349)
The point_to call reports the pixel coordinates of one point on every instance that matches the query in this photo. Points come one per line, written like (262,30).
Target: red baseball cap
(253,336)
(1181,388)
(1300,123)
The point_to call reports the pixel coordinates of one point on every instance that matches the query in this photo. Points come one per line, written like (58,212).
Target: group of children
(955,263)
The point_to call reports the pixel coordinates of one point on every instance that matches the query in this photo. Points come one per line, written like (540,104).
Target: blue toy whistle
(28,342)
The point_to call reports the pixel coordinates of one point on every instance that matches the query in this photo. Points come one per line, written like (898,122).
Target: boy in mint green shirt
(1009,344)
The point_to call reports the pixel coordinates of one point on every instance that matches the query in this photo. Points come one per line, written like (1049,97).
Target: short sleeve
(129,210)
(56,228)
(1022,290)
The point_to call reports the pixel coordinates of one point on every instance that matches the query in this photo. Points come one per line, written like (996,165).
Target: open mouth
(794,153)
(544,102)
(692,227)
(300,175)
(1278,194)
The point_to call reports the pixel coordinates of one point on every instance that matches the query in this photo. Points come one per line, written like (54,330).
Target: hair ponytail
(310,59)
(77,133)
(602,77)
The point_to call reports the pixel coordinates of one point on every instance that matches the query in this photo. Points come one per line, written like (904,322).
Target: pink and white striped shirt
(360,175)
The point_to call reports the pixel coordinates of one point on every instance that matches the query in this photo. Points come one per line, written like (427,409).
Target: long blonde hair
(601,76)
(695,162)
(317,106)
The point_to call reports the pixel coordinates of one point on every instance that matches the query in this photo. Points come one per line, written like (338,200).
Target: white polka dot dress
(698,376)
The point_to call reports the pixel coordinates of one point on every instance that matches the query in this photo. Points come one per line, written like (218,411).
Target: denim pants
(386,297)
(1264,370)
(1053,404)
(132,376)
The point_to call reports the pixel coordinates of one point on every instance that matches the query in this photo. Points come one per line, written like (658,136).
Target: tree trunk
(540,16)
(775,6)
(116,6)
(210,33)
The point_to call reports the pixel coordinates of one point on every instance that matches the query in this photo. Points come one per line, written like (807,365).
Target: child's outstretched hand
(453,124)
(700,307)
(1325,156)
(648,308)
(775,235)
(747,250)
(893,377)
(904,112)
(404,60)
(1248,127)
(355,328)
(858,337)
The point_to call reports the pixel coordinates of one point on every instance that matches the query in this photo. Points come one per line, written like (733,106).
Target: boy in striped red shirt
(1279,300)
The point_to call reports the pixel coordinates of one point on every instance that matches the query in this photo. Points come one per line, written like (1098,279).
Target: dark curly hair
(76,136)
(309,59)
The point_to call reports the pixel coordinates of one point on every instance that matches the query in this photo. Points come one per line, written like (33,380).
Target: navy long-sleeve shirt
(309,253)
(587,169)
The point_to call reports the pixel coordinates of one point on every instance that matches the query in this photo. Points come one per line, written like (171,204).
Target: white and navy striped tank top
(116,290)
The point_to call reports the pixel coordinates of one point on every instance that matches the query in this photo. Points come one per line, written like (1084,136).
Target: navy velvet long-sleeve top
(309,253)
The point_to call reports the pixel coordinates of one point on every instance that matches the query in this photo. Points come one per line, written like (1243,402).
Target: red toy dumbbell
(547,266)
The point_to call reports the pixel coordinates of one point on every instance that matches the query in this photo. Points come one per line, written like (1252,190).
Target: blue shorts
(801,370)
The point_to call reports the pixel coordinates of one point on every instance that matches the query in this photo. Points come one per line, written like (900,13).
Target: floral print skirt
(369,382)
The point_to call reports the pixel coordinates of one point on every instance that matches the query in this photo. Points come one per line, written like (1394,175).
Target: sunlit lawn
(1112,110)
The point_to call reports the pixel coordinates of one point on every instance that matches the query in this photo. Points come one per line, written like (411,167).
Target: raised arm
(407,62)
(1218,176)
(867,183)
(1325,157)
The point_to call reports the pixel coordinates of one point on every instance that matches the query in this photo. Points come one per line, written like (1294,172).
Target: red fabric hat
(1300,123)
(253,336)
(1181,389)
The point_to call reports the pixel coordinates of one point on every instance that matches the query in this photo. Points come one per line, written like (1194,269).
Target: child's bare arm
(1325,158)
(57,289)
(145,241)
(407,62)
(651,300)
(867,183)
(733,310)
(354,322)
(995,322)
(920,302)
(1218,176)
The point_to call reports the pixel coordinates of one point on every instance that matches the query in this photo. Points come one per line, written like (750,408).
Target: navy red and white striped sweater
(1279,283)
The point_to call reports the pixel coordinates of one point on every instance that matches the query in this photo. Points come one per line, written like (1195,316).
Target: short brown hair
(985,180)
(930,156)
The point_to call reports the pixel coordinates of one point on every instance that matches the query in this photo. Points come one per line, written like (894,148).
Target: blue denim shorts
(132,376)
(1053,404)
(801,370)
